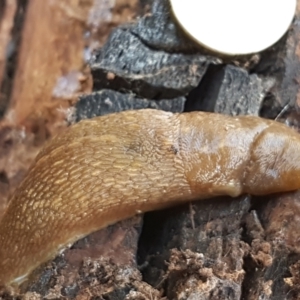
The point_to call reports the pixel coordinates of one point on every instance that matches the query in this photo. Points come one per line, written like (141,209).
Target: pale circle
(235,26)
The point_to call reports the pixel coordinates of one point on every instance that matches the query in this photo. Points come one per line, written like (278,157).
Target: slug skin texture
(109,168)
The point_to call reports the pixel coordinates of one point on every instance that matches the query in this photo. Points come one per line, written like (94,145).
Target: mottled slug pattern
(109,168)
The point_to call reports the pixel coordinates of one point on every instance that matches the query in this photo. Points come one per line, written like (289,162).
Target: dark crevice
(12,56)
(2,8)
(204,96)
(155,244)
(270,108)
(3,178)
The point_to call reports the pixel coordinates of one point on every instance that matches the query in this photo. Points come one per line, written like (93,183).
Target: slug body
(109,168)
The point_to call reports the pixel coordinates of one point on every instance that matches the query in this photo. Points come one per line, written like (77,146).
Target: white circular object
(235,26)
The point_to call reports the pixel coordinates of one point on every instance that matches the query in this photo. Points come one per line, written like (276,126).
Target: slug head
(275,161)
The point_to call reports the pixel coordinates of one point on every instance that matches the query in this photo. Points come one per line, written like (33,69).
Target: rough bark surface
(108,101)
(126,64)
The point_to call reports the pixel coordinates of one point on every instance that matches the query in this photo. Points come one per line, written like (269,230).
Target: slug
(109,168)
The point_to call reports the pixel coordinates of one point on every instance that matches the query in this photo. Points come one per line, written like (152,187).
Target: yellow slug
(109,168)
